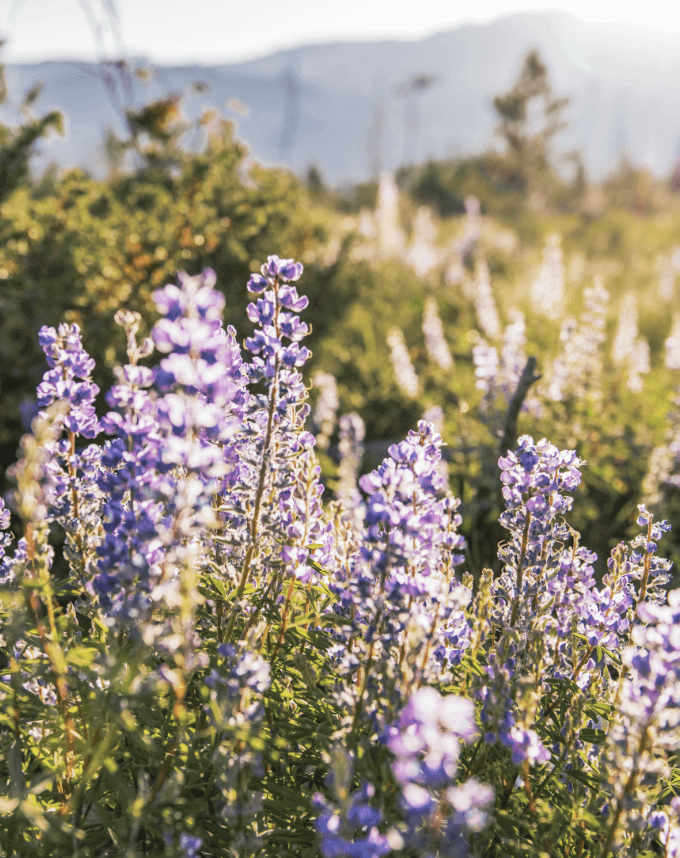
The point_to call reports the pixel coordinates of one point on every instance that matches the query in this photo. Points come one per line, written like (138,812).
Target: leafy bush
(92,247)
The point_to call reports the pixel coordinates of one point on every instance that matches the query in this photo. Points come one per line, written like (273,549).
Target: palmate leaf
(286,802)
(591,780)
(594,737)
(82,656)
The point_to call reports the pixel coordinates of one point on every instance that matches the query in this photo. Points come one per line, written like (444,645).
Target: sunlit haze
(210,31)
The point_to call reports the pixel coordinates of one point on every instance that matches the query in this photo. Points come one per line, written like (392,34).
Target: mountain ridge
(346,106)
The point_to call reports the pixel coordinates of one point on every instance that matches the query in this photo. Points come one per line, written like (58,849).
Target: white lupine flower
(547,290)
(485,304)
(639,364)
(668,268)
(467,242)
(593,329)
(498,371)
(659,470)
(630,351)
(422,254)
(576,269)
(366,226)
(435,341)
(513,349)
(485,359)
(351,448)
(663,467)
(401,361)
(672,344)
(626,331)
(667,272)
(435,416)
(577,369)
(560,383)
(391,238)
(325,410)
(454,274)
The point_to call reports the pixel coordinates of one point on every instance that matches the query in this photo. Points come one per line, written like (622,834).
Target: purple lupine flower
(203,384)
(190,844)
(349,829)
(401,588)
(274,450)
(471,802)
(351,450)
(407,523)
(426,741)
(543,587)
(534,478)
(653,571)
(238,673)
(667,823)
(526,745)
(72,472)
(204,361)
(170,455)
(426,738)
(283,270)
(235,710)
(69,378)
(203,381)
(645,733)
(131,552)
(6,574)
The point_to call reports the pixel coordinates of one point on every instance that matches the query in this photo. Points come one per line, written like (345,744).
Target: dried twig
(528,377)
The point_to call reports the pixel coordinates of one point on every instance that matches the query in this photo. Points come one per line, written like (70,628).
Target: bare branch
(528,377)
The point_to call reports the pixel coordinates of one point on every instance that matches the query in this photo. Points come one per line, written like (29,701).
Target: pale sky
(211,31)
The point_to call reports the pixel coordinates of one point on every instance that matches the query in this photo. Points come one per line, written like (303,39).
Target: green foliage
(87,248)
(445,184)
(355,197)
(18,144)
(126,759)
(431,189)
(530,116)
(121,760)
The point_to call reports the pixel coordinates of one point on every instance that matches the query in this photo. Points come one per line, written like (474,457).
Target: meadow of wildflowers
(231,661)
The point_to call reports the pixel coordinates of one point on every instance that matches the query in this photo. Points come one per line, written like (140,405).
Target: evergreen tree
(530,116)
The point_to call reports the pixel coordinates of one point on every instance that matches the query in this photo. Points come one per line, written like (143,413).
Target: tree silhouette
(530,117)
(17,144)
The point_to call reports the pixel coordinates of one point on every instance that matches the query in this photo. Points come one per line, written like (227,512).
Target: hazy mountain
(342,106)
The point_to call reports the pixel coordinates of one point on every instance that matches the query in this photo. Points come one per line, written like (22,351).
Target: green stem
(252,542)
(627,790)
(172,749)
(364,679)
(520,571)
(647,567)
(53,652)
(284,619)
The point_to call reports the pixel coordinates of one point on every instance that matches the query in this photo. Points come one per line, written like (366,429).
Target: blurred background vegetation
(74,248)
